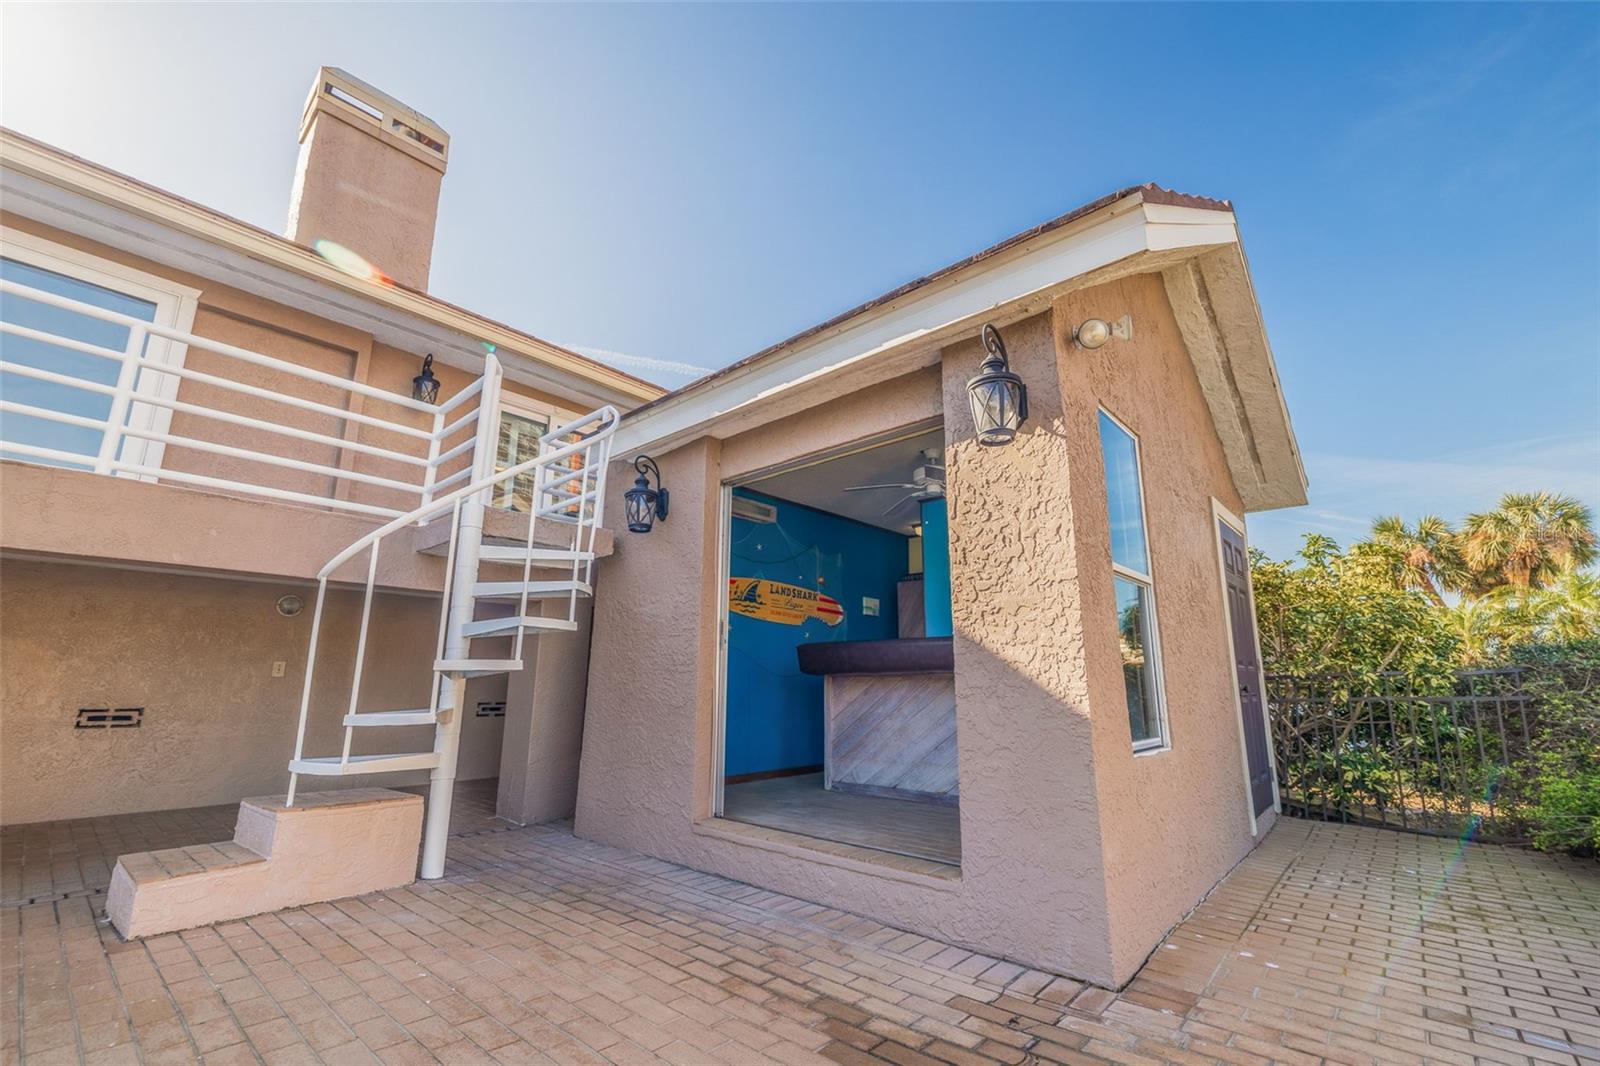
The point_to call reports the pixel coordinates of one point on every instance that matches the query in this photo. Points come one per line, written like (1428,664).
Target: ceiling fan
(927,482)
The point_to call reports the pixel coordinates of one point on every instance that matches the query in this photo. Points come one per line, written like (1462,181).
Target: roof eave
(1140,230)
(83,179)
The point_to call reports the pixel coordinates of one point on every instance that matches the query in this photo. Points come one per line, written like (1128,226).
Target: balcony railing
(143,385)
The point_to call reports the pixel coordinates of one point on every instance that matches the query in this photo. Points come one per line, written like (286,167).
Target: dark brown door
(1236,578)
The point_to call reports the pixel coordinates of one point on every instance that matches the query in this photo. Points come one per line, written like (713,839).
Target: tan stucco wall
(1174,821)
(1075,856)
(1027,890)
(234,317)
(544,725)
(353,187)
(197,654)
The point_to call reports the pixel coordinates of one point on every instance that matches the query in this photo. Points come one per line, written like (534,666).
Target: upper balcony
(135,440)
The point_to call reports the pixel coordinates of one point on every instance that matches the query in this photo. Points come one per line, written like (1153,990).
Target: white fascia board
(984,289)
(235,255)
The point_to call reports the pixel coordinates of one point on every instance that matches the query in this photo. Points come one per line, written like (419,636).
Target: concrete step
(329,845)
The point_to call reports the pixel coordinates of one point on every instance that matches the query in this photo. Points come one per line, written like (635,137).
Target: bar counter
(889,717)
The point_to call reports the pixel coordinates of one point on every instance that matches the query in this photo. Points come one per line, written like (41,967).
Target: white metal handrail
(593,434)
(138,384)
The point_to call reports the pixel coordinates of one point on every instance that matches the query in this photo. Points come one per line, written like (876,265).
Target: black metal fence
(1384,753)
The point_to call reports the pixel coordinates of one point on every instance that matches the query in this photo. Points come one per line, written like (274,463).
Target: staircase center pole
(453,700)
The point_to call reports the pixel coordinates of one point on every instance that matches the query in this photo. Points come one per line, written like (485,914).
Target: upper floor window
(63,361)
(524,421)
(520,430)
(1133,587)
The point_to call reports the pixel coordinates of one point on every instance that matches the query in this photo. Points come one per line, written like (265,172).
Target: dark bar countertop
(923,655)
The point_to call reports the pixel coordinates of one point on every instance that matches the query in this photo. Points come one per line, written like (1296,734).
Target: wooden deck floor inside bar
(801,805)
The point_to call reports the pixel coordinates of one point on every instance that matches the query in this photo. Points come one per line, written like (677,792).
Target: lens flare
(350,262)
(1436,895)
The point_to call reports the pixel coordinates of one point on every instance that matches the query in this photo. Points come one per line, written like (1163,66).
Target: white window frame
(176,305)
(1162,741)
(528,407)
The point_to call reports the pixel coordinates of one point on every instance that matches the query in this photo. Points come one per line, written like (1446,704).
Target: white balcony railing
(145,385)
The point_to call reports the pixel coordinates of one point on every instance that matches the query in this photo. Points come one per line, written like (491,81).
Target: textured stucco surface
(284,332)
(197,654)
(544,725)
(324,848)
(1173,822)
(1075,855)
(352,187)
(1030,888)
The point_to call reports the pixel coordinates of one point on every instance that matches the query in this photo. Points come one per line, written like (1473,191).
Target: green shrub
(1566,815)
(1562,779)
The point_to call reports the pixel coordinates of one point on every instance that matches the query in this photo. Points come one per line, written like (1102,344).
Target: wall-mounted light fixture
(1096,331)
(998,397)
(645,504)
(425,386)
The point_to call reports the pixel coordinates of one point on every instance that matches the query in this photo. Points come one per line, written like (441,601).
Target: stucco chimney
(368,176)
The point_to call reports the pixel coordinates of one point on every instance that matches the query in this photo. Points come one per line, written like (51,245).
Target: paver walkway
(1328,943)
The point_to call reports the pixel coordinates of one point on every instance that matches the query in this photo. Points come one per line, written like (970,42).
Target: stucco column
(652,672)
(544,725)
(1030,829)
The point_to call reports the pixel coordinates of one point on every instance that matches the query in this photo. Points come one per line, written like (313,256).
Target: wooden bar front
(889,717)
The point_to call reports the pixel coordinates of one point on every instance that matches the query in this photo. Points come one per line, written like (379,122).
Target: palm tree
(1529,540)
(1569,609)
(1426,557)
(1479,626)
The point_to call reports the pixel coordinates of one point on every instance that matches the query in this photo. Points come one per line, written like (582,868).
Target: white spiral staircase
(568,494)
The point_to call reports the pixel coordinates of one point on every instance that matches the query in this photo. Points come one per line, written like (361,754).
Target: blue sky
(1418,185)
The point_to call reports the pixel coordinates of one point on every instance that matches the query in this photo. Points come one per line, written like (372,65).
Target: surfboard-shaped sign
(774,601)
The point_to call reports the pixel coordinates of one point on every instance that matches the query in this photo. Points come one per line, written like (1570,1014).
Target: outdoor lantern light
(999,398)
(643,503)
(425,386)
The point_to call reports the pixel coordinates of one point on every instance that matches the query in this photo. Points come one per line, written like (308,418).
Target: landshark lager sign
(774,601)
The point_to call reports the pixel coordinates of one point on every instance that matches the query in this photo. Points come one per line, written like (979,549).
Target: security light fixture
(998,397)
(645,504)
(1096,331)
(425,386)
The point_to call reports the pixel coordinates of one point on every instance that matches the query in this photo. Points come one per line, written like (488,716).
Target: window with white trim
(517,443)
(523,422)
(1137,635)
(69,273)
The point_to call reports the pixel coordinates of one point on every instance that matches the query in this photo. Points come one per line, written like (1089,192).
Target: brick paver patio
(1329,943)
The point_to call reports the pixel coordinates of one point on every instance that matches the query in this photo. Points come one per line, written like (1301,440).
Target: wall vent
(754,510)
(492,709)
(107,718)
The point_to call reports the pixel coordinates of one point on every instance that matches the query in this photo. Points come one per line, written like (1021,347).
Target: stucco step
(488,627)
(374,718)
(332,766)
(330,845)
(477,667)
(537,590)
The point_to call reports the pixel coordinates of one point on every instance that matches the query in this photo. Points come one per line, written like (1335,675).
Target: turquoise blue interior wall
(936,568)
(774,711)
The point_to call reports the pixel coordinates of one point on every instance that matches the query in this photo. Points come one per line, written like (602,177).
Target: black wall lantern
(425,386)
(999,398)
(645,504)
